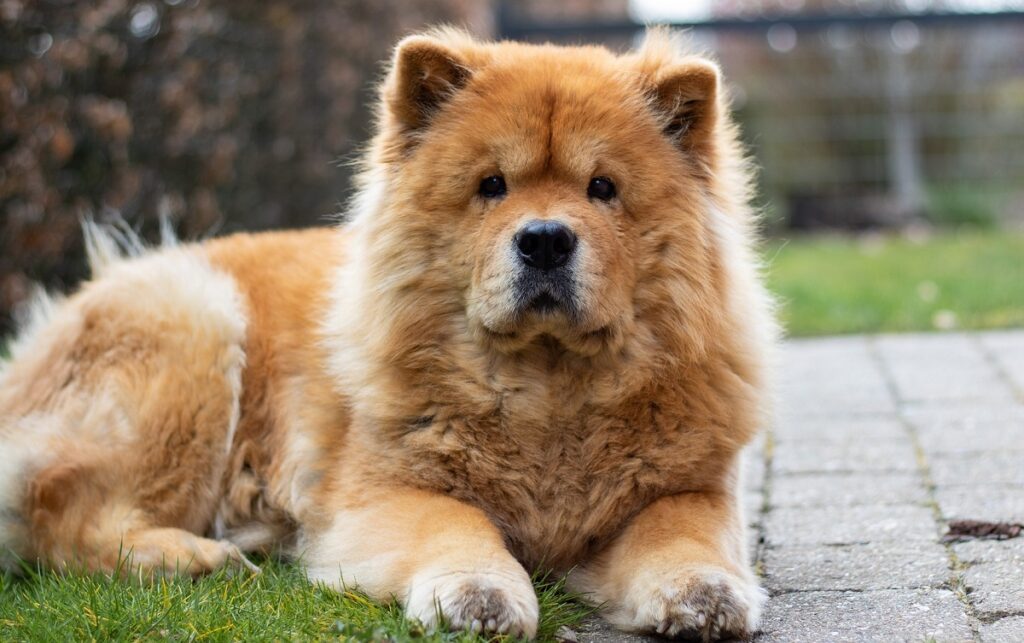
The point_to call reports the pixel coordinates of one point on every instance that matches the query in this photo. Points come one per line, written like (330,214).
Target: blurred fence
(866,120)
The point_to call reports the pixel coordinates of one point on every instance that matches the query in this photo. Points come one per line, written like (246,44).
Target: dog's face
(545,185)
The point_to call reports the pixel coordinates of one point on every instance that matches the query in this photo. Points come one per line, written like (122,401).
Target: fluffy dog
(539,342)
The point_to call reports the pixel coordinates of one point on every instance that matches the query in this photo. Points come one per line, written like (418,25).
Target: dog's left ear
(685,94)
(425,73)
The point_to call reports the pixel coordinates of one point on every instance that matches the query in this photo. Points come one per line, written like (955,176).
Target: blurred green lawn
(828,285)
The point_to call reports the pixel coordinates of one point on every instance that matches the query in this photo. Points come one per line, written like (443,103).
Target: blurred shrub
(222,114)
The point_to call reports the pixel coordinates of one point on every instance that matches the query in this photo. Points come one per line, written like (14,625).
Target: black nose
(545,244)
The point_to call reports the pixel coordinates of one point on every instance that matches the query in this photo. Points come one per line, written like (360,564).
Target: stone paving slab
(831,377)
(884,616)
(963,415)
(849,525)
(805,428)
(964,428)
(987,551)
(996,588)
(752,503)
(849,455)
(1004,630)
(941,368)
(754,471)
(848,489)
(1007,351)
(997,468)
(982,502)
(856,567)
(841,400)
(594,630)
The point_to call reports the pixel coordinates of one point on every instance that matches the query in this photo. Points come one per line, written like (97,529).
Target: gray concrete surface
(878,443)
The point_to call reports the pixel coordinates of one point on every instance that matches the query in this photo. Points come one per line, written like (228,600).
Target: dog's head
(544,191)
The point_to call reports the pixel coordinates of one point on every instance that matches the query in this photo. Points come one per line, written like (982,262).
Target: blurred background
(890,134)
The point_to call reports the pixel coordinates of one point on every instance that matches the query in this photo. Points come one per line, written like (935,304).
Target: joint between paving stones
(766,486)
(996,366)
(956,566)
(998,615)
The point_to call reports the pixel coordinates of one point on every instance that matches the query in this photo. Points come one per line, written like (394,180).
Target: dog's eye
(492,187)
(601,187)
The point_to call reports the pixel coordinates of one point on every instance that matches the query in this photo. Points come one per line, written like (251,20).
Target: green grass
(972,280)
(278,604)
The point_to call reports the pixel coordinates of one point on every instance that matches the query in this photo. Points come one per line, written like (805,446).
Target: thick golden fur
(377,400)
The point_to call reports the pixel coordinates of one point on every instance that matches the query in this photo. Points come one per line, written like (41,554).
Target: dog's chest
(561,488)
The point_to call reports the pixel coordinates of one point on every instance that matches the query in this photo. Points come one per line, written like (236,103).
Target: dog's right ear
(424,74)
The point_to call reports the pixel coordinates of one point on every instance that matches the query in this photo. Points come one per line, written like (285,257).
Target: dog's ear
(685,96)
(425,73)
(683,89)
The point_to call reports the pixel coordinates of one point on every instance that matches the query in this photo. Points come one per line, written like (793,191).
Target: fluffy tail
(110,243)
(106,245)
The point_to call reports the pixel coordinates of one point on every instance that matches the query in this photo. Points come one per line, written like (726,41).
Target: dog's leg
(176,551)
(679,569)
(81,515)
(438,556)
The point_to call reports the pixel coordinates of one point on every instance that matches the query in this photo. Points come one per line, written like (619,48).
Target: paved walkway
(879,443)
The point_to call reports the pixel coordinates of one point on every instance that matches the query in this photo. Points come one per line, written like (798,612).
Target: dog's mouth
(546,305)
(550,310)
(546,296)
(543,303)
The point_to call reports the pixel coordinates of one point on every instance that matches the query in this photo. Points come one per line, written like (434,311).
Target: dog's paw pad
(481,602)
(699,605)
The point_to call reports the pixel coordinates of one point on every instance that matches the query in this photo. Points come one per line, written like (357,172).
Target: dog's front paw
(701,604)
(487,602)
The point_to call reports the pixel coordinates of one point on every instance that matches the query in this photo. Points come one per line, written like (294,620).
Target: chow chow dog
(539,342)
